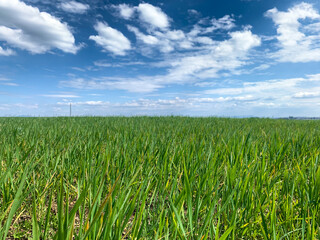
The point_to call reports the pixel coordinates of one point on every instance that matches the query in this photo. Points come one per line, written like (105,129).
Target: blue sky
(183,57)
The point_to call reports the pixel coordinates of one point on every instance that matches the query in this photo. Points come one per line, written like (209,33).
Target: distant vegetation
(159,178)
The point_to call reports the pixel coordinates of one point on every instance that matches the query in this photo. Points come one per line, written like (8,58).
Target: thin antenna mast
(70,109)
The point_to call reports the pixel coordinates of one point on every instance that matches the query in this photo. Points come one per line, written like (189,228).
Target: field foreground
(159,178)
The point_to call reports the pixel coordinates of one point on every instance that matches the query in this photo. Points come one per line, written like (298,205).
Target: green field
(159,178)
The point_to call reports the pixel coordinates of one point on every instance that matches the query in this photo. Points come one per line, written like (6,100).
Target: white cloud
(224,23)
(159,35)
(292,92)
(314,77)
(187,68)
(107,64)
(147,39)
(295,45)
(172,40)
(152,15)
(111,39)
(143,106)
(207,25)
(161,105)
(7,82)
(164,41)
(268,87)
(18,106)
(173,34)
(74,7)
(125,10)
(194,12)
(59,96)
(79,69)
(312,27)
(11,84)
(160,38)
(189,57)
(90,103)
(103,64)
(6,52)
(227,55)
(261,67)
(168,40)
(139,85)
(307,94)
(27,28)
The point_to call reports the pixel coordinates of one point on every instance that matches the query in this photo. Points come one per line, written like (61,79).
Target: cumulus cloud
(227,55)
(187,57)
(111,39)
(150,14)
(168,40)
(224,56)
(74,7)
(125,10)
(6,52)
(296,45)
(27,28)
(187,68)
(209,25)
(224,23)
(158,36)
(163,41)
(147,39)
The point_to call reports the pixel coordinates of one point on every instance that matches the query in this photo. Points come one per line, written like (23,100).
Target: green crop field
(159,178)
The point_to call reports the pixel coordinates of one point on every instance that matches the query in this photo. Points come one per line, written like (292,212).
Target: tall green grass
(159,178)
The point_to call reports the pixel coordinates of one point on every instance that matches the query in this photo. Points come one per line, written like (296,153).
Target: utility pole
(70,109)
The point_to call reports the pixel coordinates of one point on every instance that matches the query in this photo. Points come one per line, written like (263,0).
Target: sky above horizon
(199,58)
